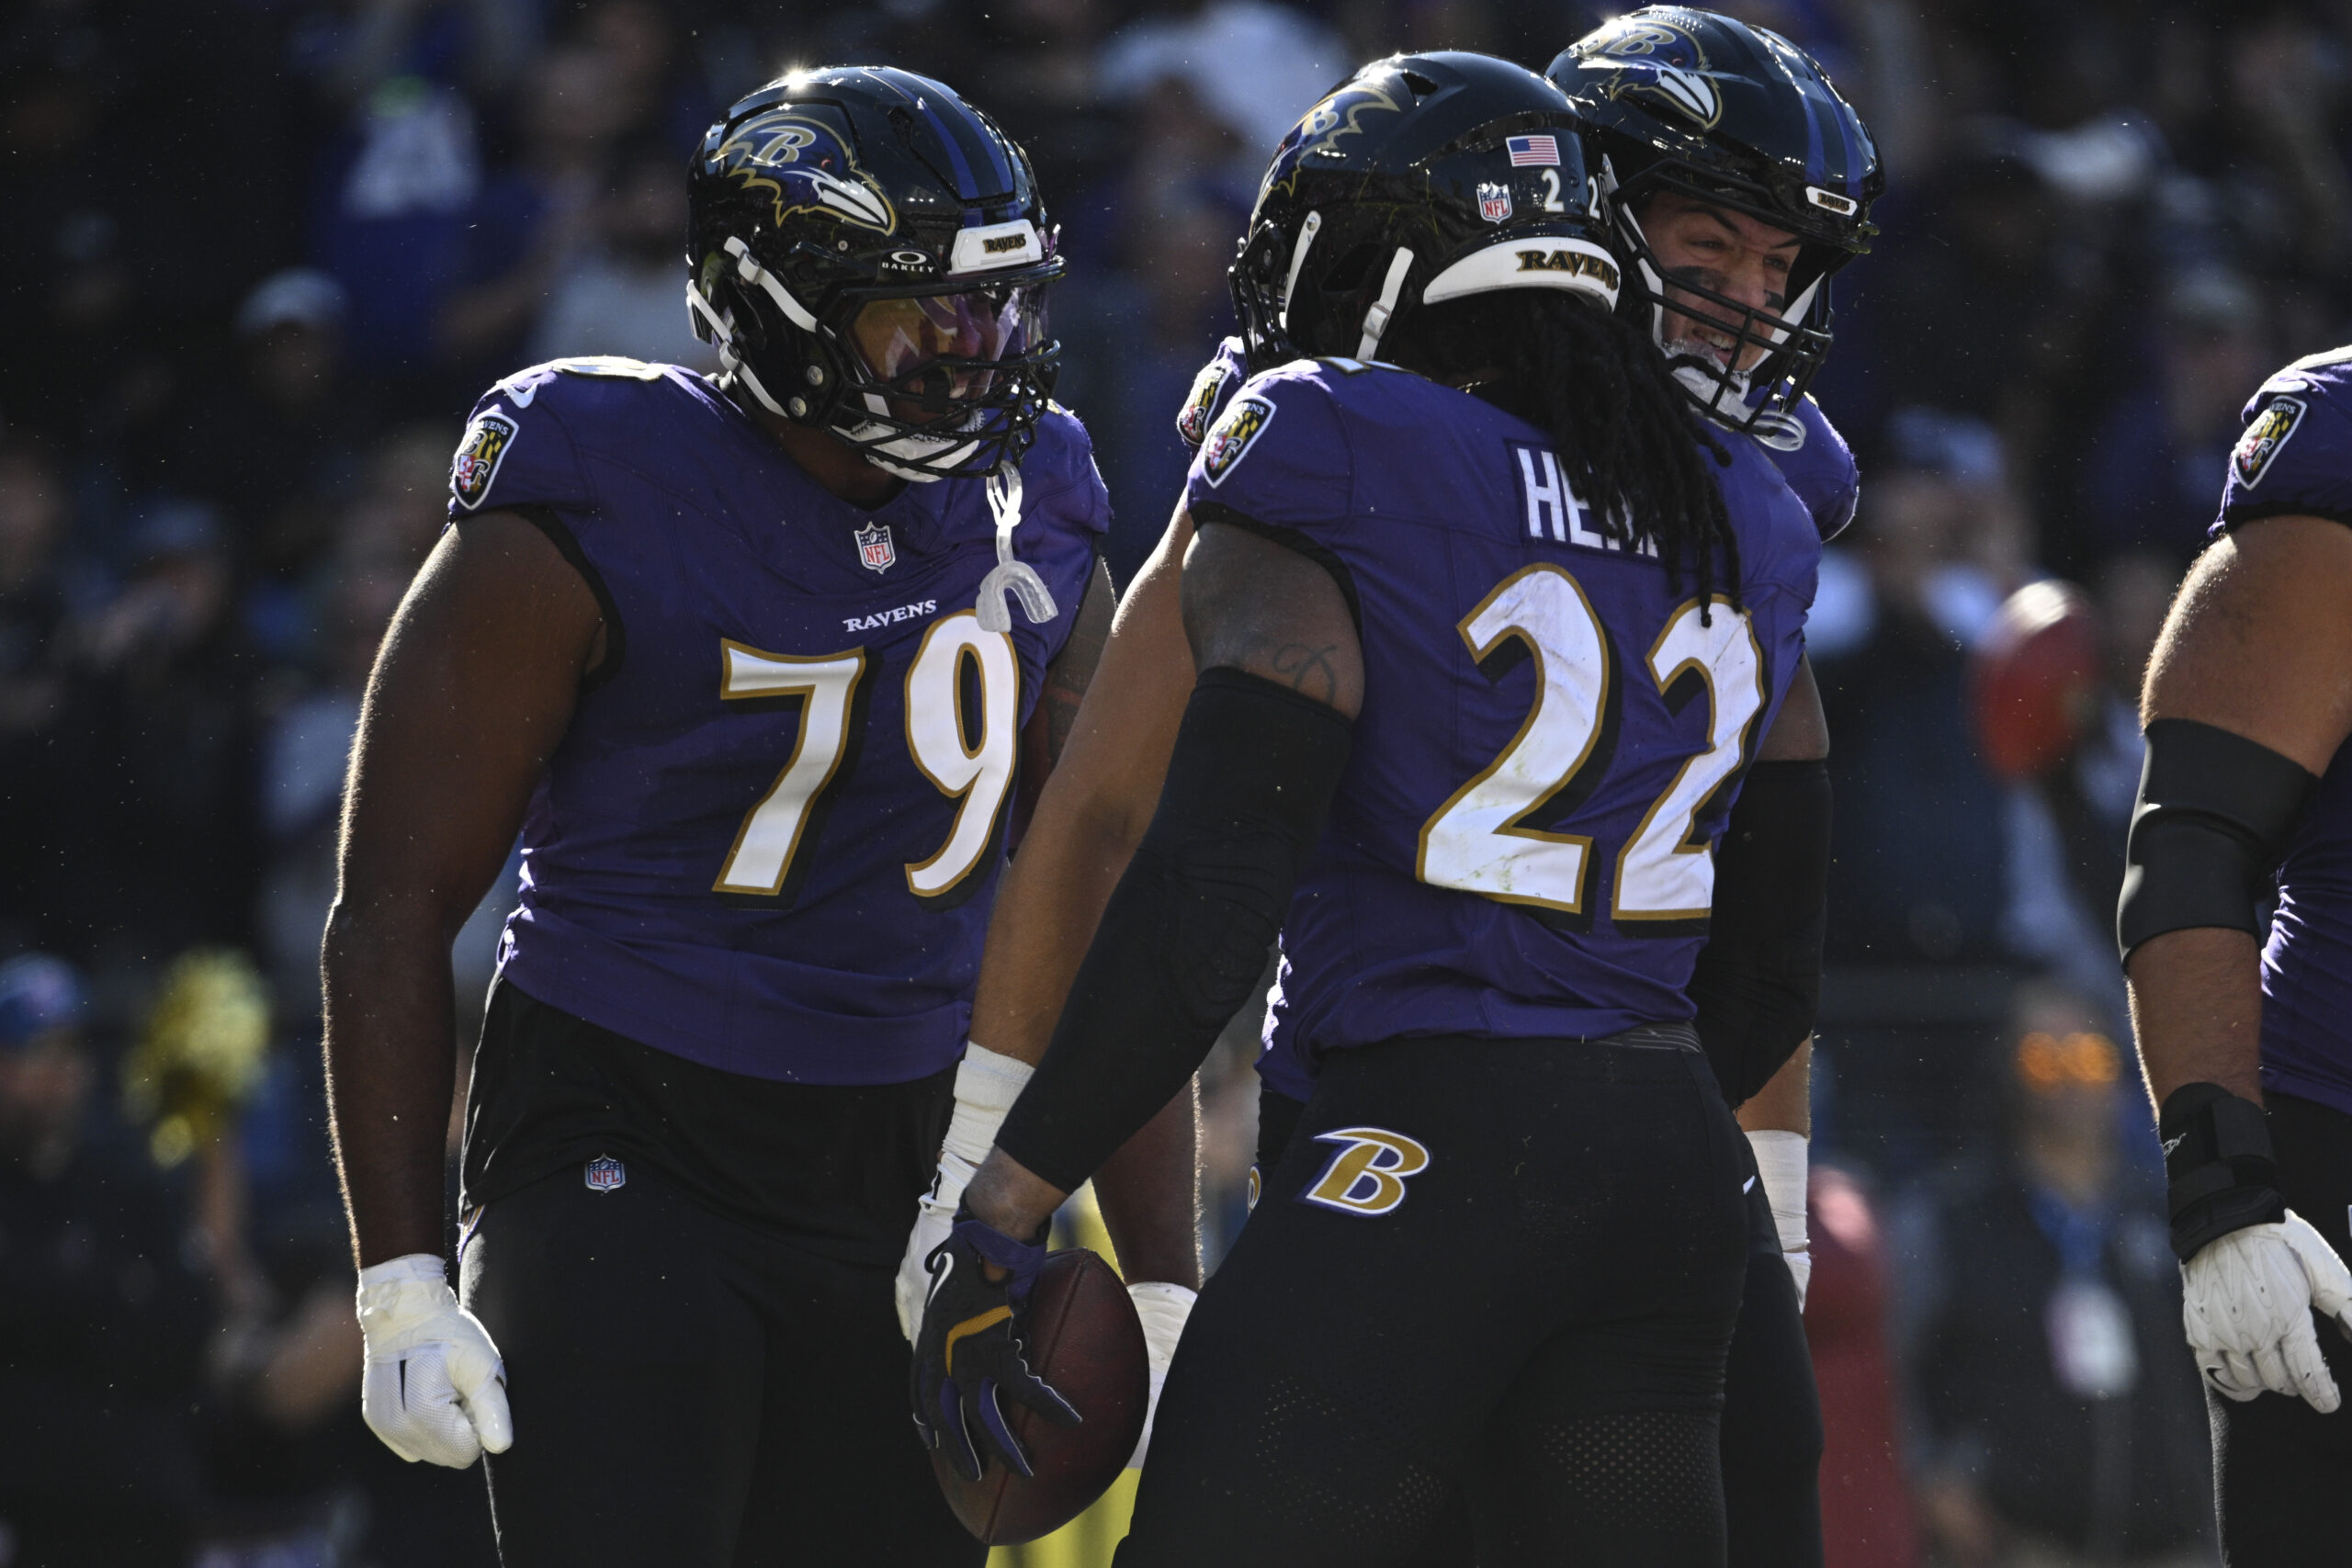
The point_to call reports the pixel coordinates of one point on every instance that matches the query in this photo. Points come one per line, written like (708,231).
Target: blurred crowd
(261,255)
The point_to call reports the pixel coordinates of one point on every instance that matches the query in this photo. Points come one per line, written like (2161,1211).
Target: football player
(1480,607)
(2247,1047)
(756,665)
(1755,980)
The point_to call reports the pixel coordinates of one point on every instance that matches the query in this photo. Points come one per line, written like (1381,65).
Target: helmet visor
(944,351)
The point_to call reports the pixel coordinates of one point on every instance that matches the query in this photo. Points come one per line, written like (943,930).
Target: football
(2034,679)
(1088,1343)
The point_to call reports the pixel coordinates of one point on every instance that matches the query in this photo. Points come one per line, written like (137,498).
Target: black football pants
(1535,1317)
(1771,1424)
(690,1391)
(2283,1471)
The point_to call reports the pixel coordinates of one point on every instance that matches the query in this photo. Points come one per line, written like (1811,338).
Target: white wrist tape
(423,1267)
(1780,1159)
(986,1087)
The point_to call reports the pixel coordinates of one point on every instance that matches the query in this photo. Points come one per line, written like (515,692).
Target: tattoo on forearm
(1309,671)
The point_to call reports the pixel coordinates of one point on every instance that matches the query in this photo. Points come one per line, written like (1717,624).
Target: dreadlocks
(1628,440)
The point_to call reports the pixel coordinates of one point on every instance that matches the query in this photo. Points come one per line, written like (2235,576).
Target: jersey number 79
(978,771)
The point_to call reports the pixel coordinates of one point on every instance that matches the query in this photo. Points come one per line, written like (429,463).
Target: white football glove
(1163,1308)
(1780,1159)
(432,1386)
(2247,1302)
(986,1087)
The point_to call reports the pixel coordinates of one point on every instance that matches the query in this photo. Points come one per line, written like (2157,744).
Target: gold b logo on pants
(1368,1171)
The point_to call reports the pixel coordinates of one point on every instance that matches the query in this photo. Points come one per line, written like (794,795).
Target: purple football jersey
(1553,730)
(771,837)
(2296,457)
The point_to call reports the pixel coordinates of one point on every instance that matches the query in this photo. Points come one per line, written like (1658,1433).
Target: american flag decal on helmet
(1539,151)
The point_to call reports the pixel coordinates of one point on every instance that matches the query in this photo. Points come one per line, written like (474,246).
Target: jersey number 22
(1476,842)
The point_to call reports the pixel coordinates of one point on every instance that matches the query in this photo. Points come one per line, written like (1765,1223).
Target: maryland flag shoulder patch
(478,456)
(2264,435)
(1244,421)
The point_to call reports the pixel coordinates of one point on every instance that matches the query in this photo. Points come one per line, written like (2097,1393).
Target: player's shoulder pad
(2295,453)
(1059,473)
(524,442)
(1221,377)
(1279,452)
(1821,469)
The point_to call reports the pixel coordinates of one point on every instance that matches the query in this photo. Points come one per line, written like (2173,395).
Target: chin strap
(1010,573)
(1376,319)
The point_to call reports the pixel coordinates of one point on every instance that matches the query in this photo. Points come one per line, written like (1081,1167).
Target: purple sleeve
(517,451)
(1278,455)
(2295,454)
(1822,471)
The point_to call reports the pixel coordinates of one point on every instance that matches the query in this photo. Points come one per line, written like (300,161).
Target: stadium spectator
(103,1323)
(2160,458)
(619,292)
(2056,1423)
(1869,1516)
(152,846)
(1944,538)
(534,218)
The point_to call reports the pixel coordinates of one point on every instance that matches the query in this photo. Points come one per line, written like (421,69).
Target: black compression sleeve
(1758,981)
(1185,936)
(2214,813)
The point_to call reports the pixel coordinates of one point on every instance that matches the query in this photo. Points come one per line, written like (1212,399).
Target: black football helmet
(1421,178)
(869,256)
(1671,97)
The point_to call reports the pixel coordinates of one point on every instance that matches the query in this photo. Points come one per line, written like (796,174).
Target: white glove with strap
(1163,1308)
(432,1386)
(986,1087)
(1781,1160)
(2247,1301)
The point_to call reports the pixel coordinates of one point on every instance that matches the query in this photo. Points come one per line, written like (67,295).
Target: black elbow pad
(2213,816)
(1757,984)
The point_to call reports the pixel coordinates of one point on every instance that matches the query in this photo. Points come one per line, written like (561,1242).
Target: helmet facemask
(1773,352)
(932,383)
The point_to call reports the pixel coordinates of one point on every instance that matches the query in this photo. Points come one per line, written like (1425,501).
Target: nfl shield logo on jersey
(607,1174)
(874,548)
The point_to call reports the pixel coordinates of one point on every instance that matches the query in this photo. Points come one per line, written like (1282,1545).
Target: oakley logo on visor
(999,244)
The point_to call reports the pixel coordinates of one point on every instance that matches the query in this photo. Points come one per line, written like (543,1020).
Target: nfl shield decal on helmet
(478,455)
(1244,421)
(2271,430)
(606,1174)
(874,548)
(1494,202)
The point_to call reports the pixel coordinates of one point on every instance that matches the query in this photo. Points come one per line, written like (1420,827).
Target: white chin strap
(1010,574)
(1375,320)
(1306,232)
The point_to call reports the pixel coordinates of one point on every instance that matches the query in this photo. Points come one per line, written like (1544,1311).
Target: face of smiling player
(1729,253)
